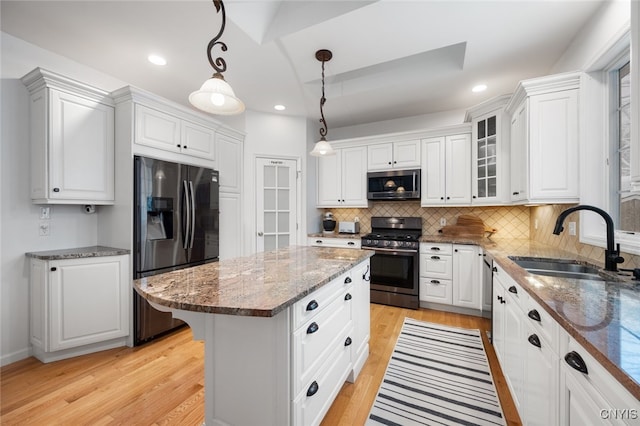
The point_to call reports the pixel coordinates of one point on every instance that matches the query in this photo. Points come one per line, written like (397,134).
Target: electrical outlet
(43,229)
(443,221)
(45,213)
(572,228)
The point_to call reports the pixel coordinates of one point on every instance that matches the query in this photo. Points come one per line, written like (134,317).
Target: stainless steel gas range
(395,266)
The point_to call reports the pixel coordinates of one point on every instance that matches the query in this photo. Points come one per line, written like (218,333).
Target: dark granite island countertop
(260,285)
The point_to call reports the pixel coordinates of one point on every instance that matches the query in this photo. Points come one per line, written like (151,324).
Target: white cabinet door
(433,171)
(230,225)
(198,141)
(354,177)
(458,169)
(513,349)
(467,279)
(406,154)
(380,156)
(541,380)
(88,301)
(329,181)
(488,163)
(519,154)
(157,129)
(361,318)
(229,163)
(498,319)
(553,145)
(578,407)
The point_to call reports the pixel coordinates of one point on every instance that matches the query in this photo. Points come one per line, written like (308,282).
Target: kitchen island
(283,330)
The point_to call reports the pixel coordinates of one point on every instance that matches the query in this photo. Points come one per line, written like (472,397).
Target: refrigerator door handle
(187,225)
(193,214)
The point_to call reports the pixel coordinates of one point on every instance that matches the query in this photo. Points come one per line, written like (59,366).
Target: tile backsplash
(510,221)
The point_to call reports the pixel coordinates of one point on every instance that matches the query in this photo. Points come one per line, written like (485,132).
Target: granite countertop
(260,285)
(77,253)
(334,235)
(603,316)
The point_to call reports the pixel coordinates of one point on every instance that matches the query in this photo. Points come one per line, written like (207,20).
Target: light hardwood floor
(162,383)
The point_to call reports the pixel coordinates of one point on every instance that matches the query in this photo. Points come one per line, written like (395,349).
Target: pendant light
(216,95)
(323,148)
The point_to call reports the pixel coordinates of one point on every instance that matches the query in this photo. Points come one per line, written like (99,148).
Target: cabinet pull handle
(53,269)
(499,297)
(318,241)
(495,269)
(351,243)
(395,162)
(435,257)
(438,282)
(474,197)
(313,388)
(347,280)
(534,315)
(448,198)
(313,328)
(534,340)
(347,296)
(515,193)
(178,145)
(364,276)
(513,289)
(442,198)
(575,361)
(184,146)
(56,189)
(313,305)
(435,248)
(389,162)
(456,250)
(348,341)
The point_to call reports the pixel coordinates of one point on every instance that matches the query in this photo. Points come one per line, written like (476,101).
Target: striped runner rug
(437,375)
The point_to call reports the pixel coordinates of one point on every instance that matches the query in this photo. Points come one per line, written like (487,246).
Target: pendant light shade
(323,148)
(216,95)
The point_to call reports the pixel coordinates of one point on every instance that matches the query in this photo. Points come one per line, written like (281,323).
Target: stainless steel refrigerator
(176,225)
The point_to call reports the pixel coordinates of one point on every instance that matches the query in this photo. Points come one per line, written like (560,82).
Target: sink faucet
(612,253)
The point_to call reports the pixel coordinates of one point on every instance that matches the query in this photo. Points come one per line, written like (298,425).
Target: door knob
(260,234)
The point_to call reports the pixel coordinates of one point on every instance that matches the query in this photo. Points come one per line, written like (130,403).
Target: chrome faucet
(612,253)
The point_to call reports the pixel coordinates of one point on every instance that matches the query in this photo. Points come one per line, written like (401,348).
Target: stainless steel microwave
(393,185)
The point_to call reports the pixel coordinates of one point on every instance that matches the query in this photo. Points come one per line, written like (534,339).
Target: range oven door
(395,271)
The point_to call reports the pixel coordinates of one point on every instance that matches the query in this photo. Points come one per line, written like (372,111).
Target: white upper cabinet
(490,153)
(394,155)
(544,140)
(446,170)
(72,141)
(342,178)
(230,154)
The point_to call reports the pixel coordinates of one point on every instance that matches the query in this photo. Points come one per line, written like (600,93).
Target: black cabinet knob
(351,243)
(53,269)
(348,296)
(534,315)
(313,328)
(178,145)
(348,342)
(494,269)
(435,282)
(442,198)
(448,198)
(185,147)
(347,280)
(534,340)
(313,305)
(474,197)
(56,189)
(313,389)
(389,162)
(575,361)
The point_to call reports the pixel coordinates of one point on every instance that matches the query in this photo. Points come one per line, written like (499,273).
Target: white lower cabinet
(467,282)
(78,306)
(553,379)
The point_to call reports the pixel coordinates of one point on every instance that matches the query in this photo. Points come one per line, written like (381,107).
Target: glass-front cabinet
(490,153)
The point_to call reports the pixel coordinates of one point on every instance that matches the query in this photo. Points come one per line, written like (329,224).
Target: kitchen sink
(559,268)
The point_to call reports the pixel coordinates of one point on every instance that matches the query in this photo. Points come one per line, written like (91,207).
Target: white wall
(271,135)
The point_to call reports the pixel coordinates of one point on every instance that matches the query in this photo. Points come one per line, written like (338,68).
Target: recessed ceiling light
(479,88)
(157,60)
(279,107)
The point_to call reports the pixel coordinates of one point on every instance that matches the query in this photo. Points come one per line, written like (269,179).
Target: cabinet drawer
(436,266)
(353,243)
(436,290)
(316,338)
(309,408)
(312,304)
(435,248)
(544,326)
(510,286)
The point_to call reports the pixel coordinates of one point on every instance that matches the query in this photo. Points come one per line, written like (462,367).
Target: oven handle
(391,250)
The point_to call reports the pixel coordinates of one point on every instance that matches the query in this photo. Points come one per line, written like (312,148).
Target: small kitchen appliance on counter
(349,227)
(328,223)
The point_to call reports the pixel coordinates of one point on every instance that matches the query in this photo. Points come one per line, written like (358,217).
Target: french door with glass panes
(276,203)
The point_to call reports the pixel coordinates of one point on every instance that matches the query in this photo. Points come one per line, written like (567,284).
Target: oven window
(392,271)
